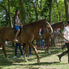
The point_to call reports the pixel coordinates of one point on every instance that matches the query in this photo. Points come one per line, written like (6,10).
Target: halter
(50,26)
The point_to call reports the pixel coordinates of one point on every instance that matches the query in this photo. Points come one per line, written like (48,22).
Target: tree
(35,7)
(58,13)
(23,11)
(50,11)
(66,2)
(10,19)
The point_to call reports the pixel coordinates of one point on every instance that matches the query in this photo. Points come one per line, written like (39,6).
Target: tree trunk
(7,13)
(10,19)
(36,13)
(50,17)
(66,9)
(58,11)
(23,11)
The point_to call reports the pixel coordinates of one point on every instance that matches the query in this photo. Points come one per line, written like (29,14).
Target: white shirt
(66,33)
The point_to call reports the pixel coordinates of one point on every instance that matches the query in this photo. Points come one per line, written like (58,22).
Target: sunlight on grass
(47,61)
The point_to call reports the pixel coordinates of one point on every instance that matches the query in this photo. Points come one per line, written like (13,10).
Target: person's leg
(18,30)
(42,43)
(15,51)
(64,53)
(63,46)
(39,43)
(20,49)
(30,51)
(17,33)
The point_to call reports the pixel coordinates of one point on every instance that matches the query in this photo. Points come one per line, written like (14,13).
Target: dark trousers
(40,42)
(65,52)
(67,44)
(18,44)
(30,50)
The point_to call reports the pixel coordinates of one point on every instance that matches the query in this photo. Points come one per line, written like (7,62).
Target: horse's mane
(38,21)
(56,24)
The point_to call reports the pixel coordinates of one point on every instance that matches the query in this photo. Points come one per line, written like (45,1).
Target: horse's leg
(33,47)
(3,46)
(48,44)
(23,44)
(26,48)
(4,50)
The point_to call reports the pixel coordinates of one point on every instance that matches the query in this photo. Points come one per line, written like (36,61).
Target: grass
(47,61)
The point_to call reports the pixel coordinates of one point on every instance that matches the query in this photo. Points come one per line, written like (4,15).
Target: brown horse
(27,35)
(47,35)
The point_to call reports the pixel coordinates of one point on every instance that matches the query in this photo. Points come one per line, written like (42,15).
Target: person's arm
(16,22)
(21,24)
(63,35)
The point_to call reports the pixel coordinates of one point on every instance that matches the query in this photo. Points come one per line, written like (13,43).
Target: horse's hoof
(49,52)
(38,61)
(8,59)
(26,60)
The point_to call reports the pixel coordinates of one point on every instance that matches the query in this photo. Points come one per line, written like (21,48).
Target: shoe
(21,56)
(45,46)
(15,40)
(29,55)
(39,47)
(15,57)
(59,58)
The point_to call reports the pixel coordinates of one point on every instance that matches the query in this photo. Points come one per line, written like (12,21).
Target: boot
(60,56)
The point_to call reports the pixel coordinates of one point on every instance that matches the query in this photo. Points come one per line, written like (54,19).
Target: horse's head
(62,25)
(47,25)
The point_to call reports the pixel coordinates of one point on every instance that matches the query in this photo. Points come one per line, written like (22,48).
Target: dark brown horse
(47,35)
(26,36)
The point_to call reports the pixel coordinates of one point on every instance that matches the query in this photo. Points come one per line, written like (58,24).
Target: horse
(26,36)
(47,35)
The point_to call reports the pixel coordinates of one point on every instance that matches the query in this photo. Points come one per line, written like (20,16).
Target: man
(65,35)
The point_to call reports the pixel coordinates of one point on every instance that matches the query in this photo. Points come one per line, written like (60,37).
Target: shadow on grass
(42,54)
(48,63)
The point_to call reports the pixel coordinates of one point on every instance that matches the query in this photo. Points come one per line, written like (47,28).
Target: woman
(17,24)
(40,41)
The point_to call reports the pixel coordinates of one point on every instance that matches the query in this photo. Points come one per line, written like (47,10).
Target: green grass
(47,61)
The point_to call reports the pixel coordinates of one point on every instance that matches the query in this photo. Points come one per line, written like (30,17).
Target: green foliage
(42,7)
(58,10)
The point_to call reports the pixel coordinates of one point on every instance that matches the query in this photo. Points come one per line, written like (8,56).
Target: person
(65,35)
(17,23)
(16,45)
(42,31)
(40,41)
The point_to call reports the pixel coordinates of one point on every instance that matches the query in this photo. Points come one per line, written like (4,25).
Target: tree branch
(4,8)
